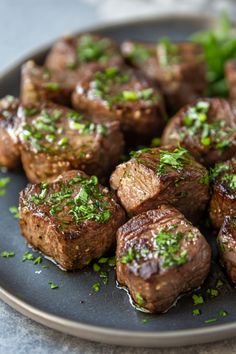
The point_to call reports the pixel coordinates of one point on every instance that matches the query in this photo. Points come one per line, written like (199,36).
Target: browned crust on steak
(64,53)
(95,152)
(182,78)
(9,149)
(147,278)
(227,246)
(140,187)
(144,118)
(220,112)
(223,200)
(39,84)
(58,236)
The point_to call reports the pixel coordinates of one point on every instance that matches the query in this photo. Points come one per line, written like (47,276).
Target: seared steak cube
(223,201)
(230,74)
(72,219)
(178,68)
(160,255)
(9,150)
(39,84)
(73,52)
(206,128)
(227,246)
(123,95)
(54,139)
(162,176)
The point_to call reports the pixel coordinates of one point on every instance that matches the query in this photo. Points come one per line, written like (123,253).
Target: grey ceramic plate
(74,307)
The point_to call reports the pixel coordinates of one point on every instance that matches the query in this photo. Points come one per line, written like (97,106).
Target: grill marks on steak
(179,69)
(223,201)
(227,246)
(40,84)
(9,149)
(72,219)
(54,139)
(206,128)
(162,176)
(122,95)
(160,255)
(72,53)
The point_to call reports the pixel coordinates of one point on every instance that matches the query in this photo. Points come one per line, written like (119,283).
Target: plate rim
(105,334)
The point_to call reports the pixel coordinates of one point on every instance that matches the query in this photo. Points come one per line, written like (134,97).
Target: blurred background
(27,24)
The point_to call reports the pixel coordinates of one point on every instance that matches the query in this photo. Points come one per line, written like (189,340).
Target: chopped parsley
(96,267)
(104,276)
(52,86)
(96,287)
(216,134)
(7,254)
(210,320)
(129,256)
(137,153)
(213,292)
(174,159)
(3,183)
(196,312)
(218,168)
(27,256)
(53,285)
(197,299)
(14,211)
(91,49)
(138,53)
(168,247)
(104,81)
(87,204)
(219,284)
(38,260)
(139,299)
(112,261)
(222,313)
(230,179)
(168,52)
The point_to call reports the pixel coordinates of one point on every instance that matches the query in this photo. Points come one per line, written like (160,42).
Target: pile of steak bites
(72,127)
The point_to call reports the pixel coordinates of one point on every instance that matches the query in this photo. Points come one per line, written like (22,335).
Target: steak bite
(178,68)
(223,201)
(73,52)
(206,128)
(9,150)
(40,84)
(160,255)
(55,139)
(227,246)
(230,75)
(72,219)
(123,95)
(158,176)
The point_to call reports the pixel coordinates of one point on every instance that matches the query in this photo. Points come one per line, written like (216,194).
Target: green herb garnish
(38,260)
(96,267)
(196,312)
(139,53)
(7,254)
(90,49)
(27,256)
(14,211)
(197,299)
(53,285)
(223,313)
(211,320)
(174,159)
(168,247)
(139,299)
(52,86)
(3,183)
(96,287)
(129,256)
(219,46)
